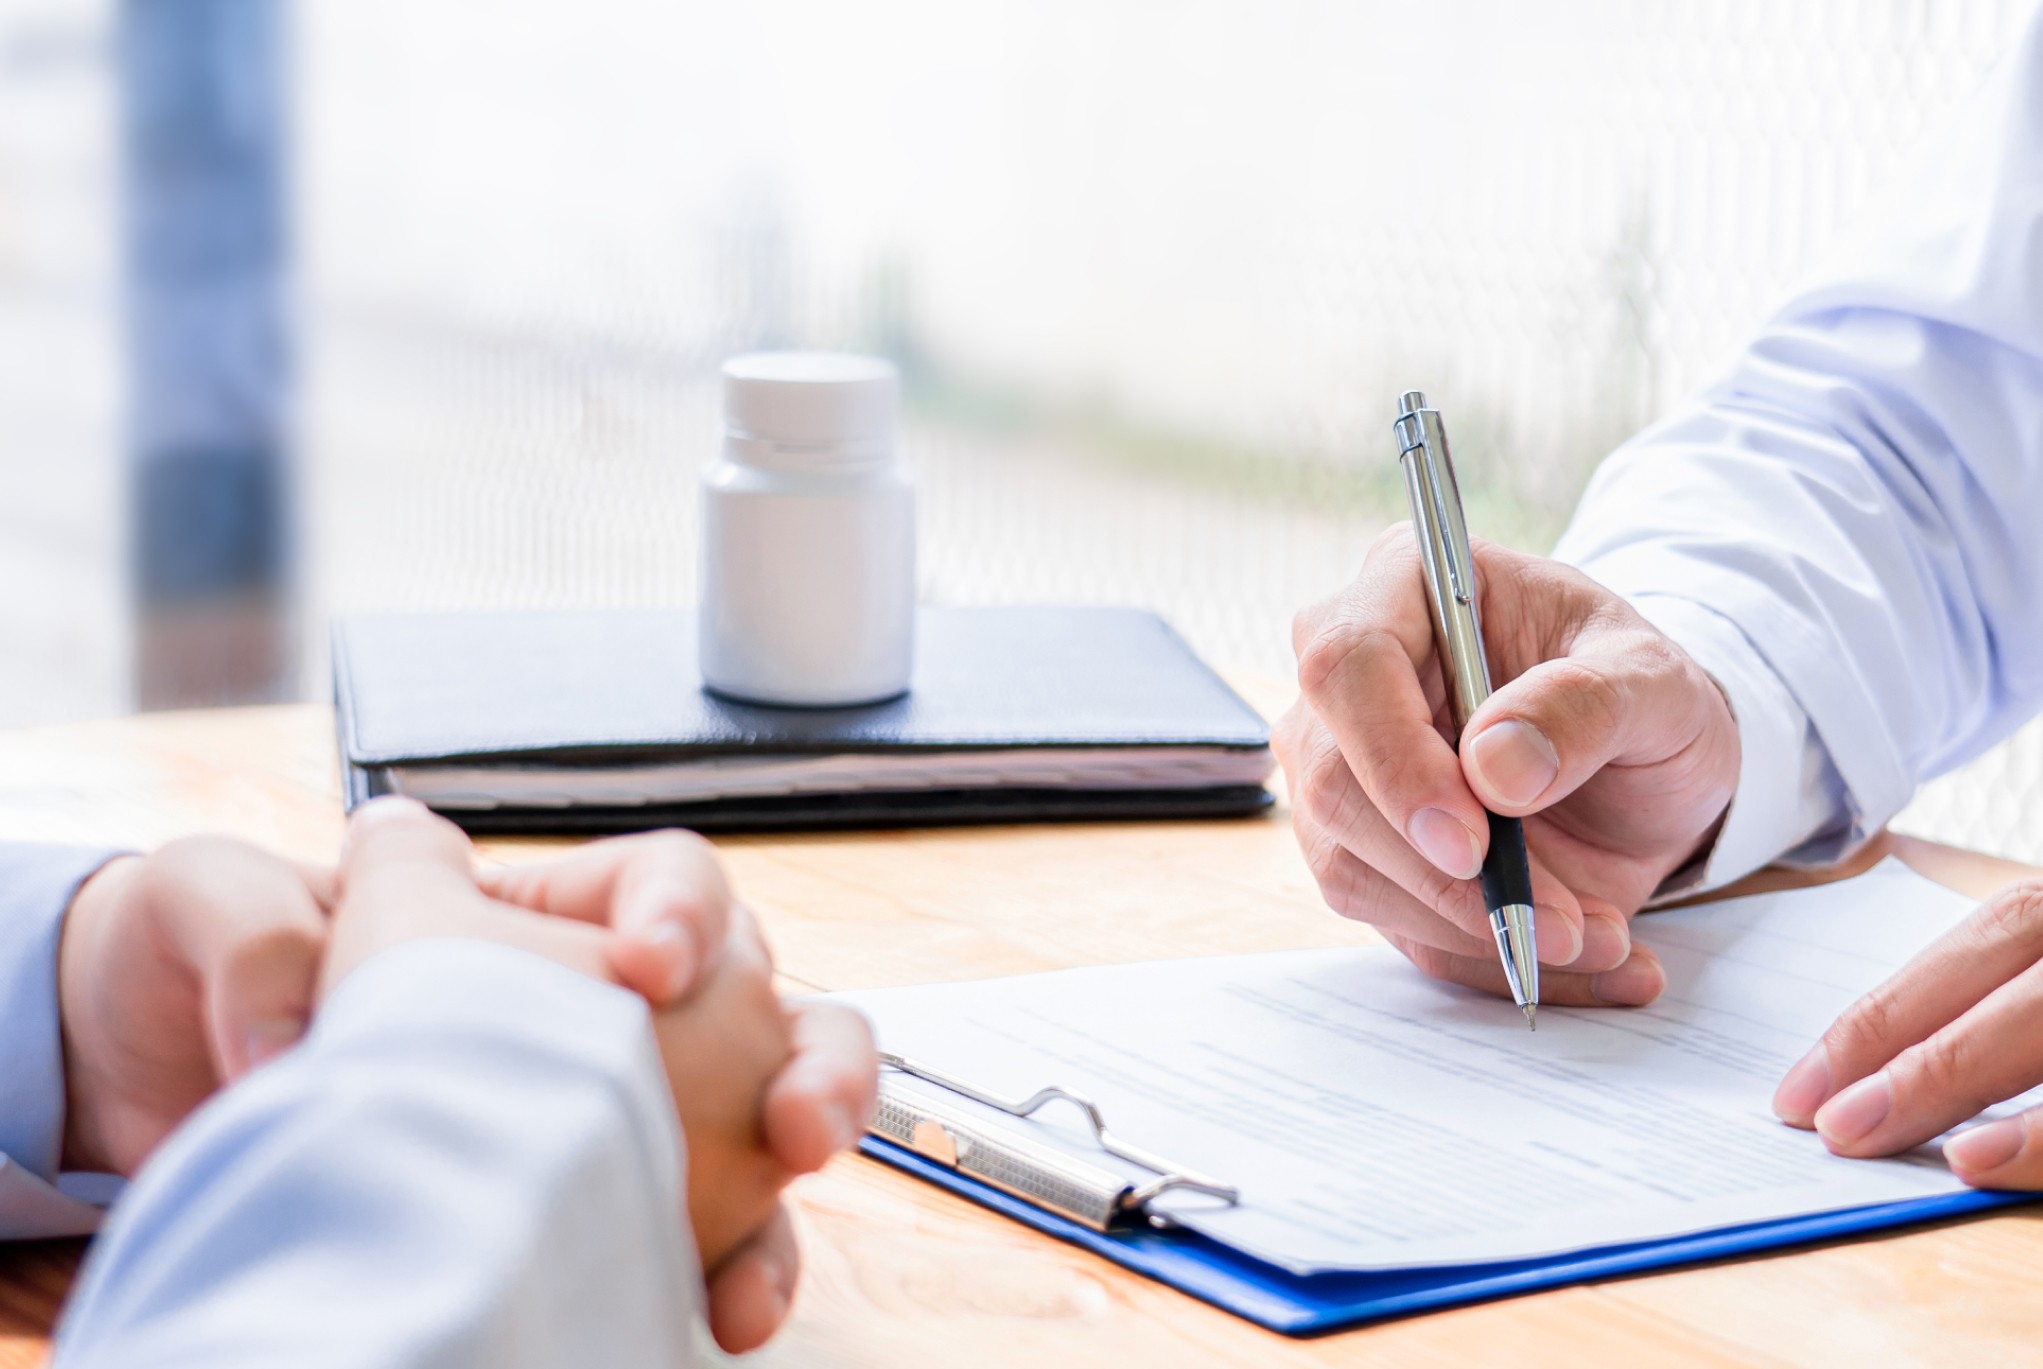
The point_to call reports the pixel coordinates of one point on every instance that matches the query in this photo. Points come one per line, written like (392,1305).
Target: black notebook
(582,721)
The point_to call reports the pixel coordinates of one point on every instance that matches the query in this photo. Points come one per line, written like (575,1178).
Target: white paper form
(1375,1119)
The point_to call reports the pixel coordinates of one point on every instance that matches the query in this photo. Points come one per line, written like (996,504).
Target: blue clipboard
(1309,1304)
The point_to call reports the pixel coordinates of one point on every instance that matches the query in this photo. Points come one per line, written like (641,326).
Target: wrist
(83,930)
(1777,798)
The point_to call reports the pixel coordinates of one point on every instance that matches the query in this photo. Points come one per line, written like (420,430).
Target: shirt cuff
(1787,793)
(494,1001)
(37,884)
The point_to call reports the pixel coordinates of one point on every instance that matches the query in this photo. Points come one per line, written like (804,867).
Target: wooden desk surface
(899,1273)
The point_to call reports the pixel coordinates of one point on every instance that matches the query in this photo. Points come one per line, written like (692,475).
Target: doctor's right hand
(1613,745)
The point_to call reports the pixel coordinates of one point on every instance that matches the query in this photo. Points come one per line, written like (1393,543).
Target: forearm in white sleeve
(472,1160)
(36,887)
(1860,497)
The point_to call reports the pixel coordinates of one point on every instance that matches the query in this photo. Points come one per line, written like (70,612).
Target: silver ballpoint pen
(1458,634)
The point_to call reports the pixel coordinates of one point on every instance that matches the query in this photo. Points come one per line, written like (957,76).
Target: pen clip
(1422,436)
(1454,534)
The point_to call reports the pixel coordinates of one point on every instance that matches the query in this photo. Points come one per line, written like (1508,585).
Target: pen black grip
(1507,873)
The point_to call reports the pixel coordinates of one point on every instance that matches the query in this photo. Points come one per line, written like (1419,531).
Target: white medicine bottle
(808,535)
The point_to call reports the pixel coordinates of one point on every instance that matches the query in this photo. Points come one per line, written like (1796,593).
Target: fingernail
(1853,1114)
(269,1037)
(1987,1146)
(1439,836)
(1804,1087)
(676,951)
(1605,940)
(1514,761)
(1560,940)
(1633,984)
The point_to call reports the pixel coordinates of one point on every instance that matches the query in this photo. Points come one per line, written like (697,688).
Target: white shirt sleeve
(472,1160)
(36,886)
(1788,793)
(1843,530)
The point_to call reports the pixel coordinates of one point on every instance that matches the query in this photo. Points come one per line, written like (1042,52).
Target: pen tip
(1531,1017)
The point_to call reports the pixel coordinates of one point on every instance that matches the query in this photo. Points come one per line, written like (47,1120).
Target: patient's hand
(763,1090)
(176,973)
(1615,747)
(1957,1030)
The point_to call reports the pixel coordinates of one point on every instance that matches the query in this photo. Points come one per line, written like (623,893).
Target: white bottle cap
(811,399)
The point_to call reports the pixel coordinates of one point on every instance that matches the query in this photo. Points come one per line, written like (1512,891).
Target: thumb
(1626,697)
(253,935)
(260,1005)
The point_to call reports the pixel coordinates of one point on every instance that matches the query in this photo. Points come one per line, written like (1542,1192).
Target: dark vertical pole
(204,136)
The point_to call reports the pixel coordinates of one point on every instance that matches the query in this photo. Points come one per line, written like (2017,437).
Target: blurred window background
(352,305)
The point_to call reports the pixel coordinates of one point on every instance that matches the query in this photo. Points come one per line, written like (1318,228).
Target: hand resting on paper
(1957,1030)
(1616,748)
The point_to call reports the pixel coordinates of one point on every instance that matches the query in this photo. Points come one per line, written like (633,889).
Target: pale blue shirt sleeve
(1844,530)
(36,885)
(472,1160)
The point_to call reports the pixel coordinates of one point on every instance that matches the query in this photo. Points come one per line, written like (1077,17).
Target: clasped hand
(180,971)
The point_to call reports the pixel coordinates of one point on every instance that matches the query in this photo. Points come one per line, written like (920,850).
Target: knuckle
(2013,915)
(1327,788)
(1292,737)
(1323,856)
(1323,657)
(1356,890)
(1396,541)
(1305,625)
(1349,888)
(1591,695)
(1396,781)
(1946,1067)
(1442,893)
(1864,1032)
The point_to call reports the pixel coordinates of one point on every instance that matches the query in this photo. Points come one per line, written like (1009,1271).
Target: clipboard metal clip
(1030,1169)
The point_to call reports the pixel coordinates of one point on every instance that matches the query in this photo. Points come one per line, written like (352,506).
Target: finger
(749,1296)
(1330,813)
(823,1099)
(2007,1153)
(254,936)
(1359,657)
(399,844)
(1356,890)
(1637,982)
(1996,943)
(1326,794)
(1989,1055)
(403,873)
(1621,695)
(663,892)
